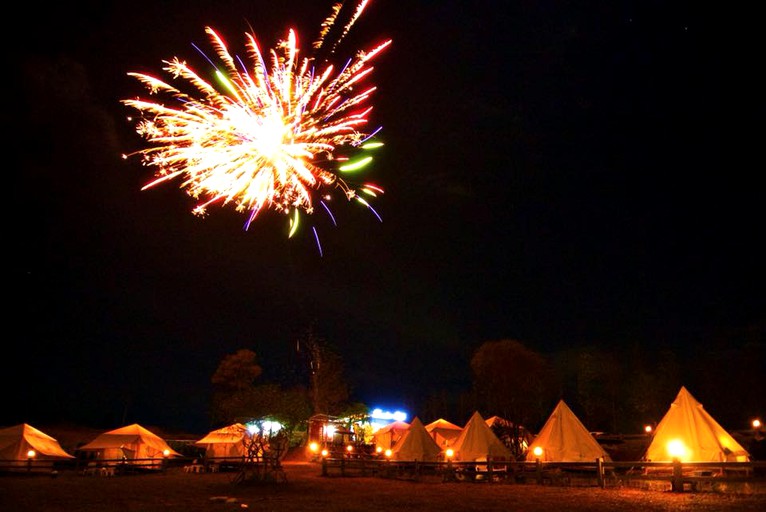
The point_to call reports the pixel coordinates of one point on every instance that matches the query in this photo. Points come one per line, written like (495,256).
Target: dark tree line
(616,390)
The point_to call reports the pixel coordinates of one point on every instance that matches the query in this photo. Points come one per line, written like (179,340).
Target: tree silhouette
(328,388)
(512,381)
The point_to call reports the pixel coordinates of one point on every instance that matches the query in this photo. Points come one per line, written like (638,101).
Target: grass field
(306,490)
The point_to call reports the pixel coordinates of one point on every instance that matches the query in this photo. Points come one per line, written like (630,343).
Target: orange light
(349,448)
(677,449)
(325,453)
(538,451)
(449,452)
(756,423)
(389,453)
(31,454)
(314,447)
(165,453)
(648,429)
(378,449)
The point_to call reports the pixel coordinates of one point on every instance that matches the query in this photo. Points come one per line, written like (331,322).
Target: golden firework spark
(265,137)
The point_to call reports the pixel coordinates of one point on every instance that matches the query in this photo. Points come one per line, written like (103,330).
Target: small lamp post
(538,452)
(758,429)
(449,454)
(31,454)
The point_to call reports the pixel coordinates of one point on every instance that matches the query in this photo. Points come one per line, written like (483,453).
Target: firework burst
(278,135)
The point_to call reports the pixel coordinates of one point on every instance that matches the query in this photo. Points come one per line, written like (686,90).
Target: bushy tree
(513,381)
(236,371)
(238,398)
(233,381)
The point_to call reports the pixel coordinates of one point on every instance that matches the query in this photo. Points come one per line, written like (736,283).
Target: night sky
(560,173)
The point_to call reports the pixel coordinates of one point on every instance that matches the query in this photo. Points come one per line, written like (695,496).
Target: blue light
(380,414)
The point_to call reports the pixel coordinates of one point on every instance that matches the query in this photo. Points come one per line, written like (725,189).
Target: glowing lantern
(325,452)
(165,452)
(449,453)
(538,451)
(648,429)
(378,449)
(314,447)
(389,453)
(756,423)
(31,454)
(677,449)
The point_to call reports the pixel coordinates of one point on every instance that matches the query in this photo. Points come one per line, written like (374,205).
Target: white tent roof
(134,439)
(564,438)
(227,435)
(416,444)
(478,442)
(228,442)
(386,437)
(442,423)
(16,441)
(688,432)
(443,432)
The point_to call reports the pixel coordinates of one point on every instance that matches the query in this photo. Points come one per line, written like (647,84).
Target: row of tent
(478,441)
(25,444)
(687,432)
(132,442)
(444,432)
(563,438)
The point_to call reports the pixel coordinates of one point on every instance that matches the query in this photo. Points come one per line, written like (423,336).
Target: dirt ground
(306,490)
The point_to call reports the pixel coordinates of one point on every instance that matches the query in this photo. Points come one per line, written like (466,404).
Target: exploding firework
(279,135)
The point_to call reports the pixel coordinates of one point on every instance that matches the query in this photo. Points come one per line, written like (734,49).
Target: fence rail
(87,467)
(114,467)
(681,476)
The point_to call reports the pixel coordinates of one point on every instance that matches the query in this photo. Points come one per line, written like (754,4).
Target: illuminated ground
(306,489)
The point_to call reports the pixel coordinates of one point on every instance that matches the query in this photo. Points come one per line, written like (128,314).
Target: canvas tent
(478,442)
(387,436)
(416,444)
(17,441)
(132,443)
(516,437)
(564,438)
(443,432)
(688,432)
(226,443)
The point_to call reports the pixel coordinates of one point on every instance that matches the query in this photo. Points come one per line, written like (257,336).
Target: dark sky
(561,173)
